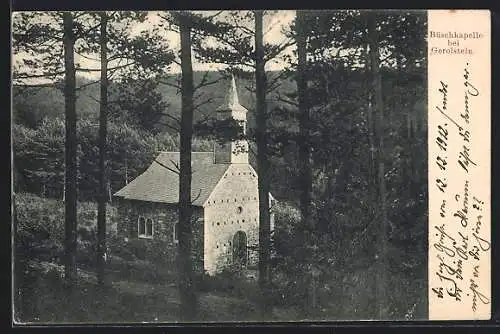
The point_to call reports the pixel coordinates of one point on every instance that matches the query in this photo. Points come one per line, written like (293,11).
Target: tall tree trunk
(126,168)
(372,169)
(305,173)
(409,126)
(262,166)
(103,122)
(19,262)
(71,150)
(64,188)
(371,143)
(382,267)
(186,275)
(304,125)
(110,192)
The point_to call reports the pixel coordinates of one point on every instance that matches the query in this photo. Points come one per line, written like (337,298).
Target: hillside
(49,101)
(43,102)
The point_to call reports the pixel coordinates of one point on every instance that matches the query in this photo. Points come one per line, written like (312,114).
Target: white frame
(145,236)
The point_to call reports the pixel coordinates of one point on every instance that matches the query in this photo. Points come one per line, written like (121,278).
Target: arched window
(145,227)
(142,226)
(240,248)
(149,227)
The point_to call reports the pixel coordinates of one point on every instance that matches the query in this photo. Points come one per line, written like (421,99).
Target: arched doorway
(240,248)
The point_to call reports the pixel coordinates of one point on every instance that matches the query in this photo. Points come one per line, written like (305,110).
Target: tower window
(239,209)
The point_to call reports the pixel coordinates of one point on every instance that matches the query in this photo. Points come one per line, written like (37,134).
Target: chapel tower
(236,151)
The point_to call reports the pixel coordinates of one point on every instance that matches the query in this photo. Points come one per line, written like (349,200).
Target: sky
(273,25)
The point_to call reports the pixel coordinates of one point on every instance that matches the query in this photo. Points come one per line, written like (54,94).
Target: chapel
(225,199)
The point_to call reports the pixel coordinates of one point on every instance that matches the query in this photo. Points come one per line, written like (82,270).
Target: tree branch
(33,76)
(166,167)
(172,117)
(91,97)
(204,82)
(87,57)
(197,196)
(87,84)
(82,69)
(280,49)
(83,33)
(210,99)
(178,87)
(281,99)
(169,126)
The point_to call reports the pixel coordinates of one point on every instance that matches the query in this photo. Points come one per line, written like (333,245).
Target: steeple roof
(232,103)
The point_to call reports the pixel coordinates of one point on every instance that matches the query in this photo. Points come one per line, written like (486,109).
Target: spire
(232,94)
(232,102)
(235,151)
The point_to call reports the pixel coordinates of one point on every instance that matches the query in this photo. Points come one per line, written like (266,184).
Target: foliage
(231,281)
(37,40)
(39,155)
(139,103)
(40,152)
(346,216)
(40,229)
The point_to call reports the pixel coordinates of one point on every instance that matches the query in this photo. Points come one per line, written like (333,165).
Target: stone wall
(237,189)
(161,248)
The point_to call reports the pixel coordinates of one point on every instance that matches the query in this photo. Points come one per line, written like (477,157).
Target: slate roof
(159,184)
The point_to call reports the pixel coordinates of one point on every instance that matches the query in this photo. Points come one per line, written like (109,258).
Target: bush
(145,260)
(40,229)
(121,248)
(231,281)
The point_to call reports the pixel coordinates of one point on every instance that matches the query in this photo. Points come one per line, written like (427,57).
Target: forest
(338,135)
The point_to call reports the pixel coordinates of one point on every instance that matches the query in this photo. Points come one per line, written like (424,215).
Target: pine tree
(103,122)
(263,167)
(71,148)
(186,276)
